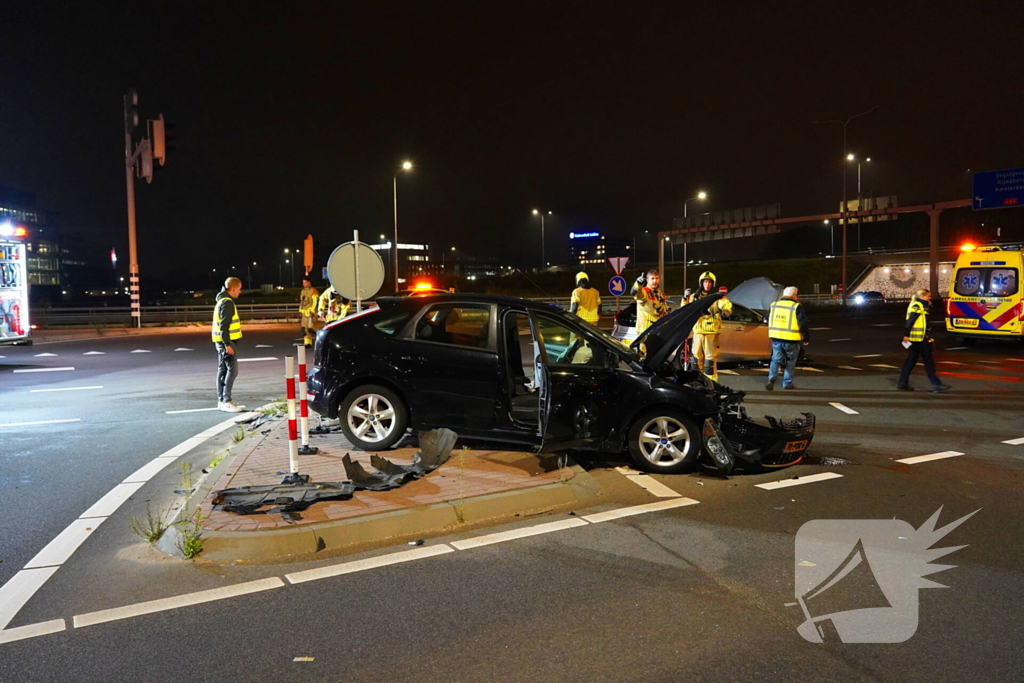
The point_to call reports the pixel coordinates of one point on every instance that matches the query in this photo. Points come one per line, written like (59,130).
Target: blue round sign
(617,286)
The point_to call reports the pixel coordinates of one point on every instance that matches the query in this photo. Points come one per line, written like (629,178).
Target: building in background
(589,248)
(412,258)
(43,246)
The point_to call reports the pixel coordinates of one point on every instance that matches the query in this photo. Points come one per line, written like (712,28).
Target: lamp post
(686,261)
(844,213)
(543,257)
(832,237)
(248,272)
(406,166)
(860,200)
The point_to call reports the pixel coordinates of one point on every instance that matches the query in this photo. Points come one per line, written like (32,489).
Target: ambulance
(984,299)
(14,325)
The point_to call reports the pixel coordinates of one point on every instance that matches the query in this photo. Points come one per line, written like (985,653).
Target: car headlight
(859,299)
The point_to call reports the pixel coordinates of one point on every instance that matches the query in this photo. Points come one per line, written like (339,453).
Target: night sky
(292,118)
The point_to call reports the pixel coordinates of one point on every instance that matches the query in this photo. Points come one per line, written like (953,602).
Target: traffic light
(131,113)
(158,139)
(145,165)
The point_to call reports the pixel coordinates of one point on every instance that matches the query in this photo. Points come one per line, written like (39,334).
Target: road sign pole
(355,240)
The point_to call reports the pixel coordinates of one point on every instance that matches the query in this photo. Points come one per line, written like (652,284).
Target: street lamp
(543,258)
(686,261)
(406,166)
(849,157)
(248,272)
(860,197)
(832,237)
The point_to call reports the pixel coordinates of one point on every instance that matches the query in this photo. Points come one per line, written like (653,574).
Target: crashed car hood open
(757,294)
(663,337)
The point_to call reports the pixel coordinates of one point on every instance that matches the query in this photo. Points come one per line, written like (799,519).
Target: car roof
(444,297)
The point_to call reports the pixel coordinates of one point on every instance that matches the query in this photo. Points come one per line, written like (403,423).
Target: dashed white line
(17,591)
(1015,442)
(503,536)
(797,481)
(949,362)
(956,348)
(819,329)
(254,360)
(840,406)
(842,339)
(264,346)
(95,353)
(186,600)
(39,422)
(181,348)
(883,325)
(850,367)
(45,355)
(926,458)
(108,504)
(57,551)
(39,391)
(869,355)
(728,372)
(190,410)
(652,485)
(32,631)
(369,563)
(44,370)
(141,351)
(808,368)
(883,365)
(619,513)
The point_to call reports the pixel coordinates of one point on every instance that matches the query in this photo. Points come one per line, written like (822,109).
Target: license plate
(965,322)
(794,446)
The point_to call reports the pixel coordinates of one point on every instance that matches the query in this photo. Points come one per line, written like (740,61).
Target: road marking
(108,504)
(840,406)
(762,369)
(32,631)
(728,372)
(869,355)
(95,353)
(956,348)
(43,370)
(183,349)
(619,513)
(842,339)
(652,485)
(39,391)
(850,367)
(176,602)
(149,470)
(797,481)
(524,532)
(45,355)
(141,351)
(925,458)
(989,362)
(883,365)
(17,591)
(883,325)
(190,410)
(264,346)
(819,329)
(57,551)
(808,368)
(39,422)
(1012,360)
(369,563)
(949,362)
(1015,442)
(253,360)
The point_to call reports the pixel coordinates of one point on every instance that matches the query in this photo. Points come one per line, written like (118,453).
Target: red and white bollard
(293,475)
(305,449)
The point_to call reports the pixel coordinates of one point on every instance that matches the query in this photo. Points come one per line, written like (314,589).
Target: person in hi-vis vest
(919,343)
(227,329)
(586,302)
(787,330)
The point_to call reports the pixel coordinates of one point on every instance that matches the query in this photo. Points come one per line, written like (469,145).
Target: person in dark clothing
(919,343)
(227,329)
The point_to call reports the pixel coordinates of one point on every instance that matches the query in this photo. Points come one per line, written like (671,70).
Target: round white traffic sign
(355,270)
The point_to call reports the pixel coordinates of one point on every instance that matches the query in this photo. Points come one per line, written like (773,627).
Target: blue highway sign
(999,189)
(617,285)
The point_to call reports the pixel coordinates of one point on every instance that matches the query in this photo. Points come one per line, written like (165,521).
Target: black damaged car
(512,370)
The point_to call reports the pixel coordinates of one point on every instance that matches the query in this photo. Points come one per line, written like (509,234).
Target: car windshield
(615,343)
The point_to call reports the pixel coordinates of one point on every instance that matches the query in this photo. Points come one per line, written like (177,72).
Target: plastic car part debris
(361,479)
(435,448)
(718,447)
(246,500)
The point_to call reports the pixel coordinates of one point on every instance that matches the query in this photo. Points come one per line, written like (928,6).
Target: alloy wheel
(371,417)
(664,441)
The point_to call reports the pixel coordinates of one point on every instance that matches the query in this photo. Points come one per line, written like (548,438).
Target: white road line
(1012,360)
(762,369)
(369,563)
(39,422)
(140,351)
(264,346)
(883,325)
(32,631)
(253,360)
(39,391)
(183,349)
(65,544)
(819,329)
(840,406)
(842,339)
(956,348)
(870,355)
(619,513)
(176,602)
(95,353)
(524,532)
(926,458)
(810,479)
(45,355)
(108,504)
(949,362)
(653,486)
(1015,442)
(989,362)
(43,370)
(149,470)
(808,368)
(850,367)
(17,591)
(728,372)
(191,410)
(883,365)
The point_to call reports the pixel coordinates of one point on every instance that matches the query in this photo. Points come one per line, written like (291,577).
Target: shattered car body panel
(245,500)
(435,448)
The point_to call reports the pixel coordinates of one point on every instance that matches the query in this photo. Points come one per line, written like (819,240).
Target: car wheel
(665,440)
(373,417)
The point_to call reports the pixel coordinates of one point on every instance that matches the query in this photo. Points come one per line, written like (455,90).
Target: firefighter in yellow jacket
(586,302)
(708,327)
(651,305)
(332,306)
(307,310)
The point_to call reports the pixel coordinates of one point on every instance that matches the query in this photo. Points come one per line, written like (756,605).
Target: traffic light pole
(133,254)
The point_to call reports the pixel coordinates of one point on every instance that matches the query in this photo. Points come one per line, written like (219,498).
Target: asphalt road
(701,592)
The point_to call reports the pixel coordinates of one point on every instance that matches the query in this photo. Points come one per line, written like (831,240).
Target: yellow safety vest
(234,330)
(919,332)
(588,303)
(782,323)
